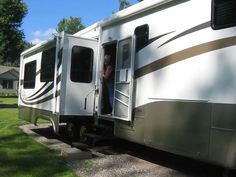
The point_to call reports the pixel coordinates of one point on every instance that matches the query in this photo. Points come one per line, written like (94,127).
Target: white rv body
(91,32)
(175,77)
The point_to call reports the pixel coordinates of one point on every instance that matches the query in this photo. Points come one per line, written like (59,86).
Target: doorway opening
(108,81)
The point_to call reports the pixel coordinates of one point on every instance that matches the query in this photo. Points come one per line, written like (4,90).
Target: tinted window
(81,64)
(223,13)
(29,75)
(48,65)
(142,35)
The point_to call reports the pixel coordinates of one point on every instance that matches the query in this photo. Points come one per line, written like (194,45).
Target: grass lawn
(20,156)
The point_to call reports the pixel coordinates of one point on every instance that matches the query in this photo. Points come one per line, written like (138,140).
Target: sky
(43,15)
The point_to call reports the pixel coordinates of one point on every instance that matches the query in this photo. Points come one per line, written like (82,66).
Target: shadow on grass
(22,157)
(13,96)
(8,106)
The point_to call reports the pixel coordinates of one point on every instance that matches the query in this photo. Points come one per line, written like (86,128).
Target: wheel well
(47,118)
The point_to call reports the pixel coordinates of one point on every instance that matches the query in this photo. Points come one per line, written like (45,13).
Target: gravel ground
(101,165)
(122,165)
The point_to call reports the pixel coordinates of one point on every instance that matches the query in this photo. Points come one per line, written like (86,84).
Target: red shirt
(107,70)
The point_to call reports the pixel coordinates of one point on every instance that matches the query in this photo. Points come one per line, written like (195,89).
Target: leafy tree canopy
(11,44)
(125,3)
(71,25)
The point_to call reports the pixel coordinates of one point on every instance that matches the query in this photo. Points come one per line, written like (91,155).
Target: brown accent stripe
(38,72)
(58,79)
(58,92)
(43,100)
(48,89)
(39,90)
(21,81)
(154,39)
(59,54)
(189,31)
(40,101)
(185,54)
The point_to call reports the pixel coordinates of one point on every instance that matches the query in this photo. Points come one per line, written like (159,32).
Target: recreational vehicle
(173,80)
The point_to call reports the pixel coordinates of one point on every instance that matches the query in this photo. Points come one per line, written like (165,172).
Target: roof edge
(133,10)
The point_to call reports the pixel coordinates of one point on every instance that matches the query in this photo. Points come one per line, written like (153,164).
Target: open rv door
(78,78)
(124,79)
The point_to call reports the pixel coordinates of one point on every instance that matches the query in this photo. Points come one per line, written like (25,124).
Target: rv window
(142,35)
(81,64)
(124,54)
(48,65)
(29,75)
(223,13)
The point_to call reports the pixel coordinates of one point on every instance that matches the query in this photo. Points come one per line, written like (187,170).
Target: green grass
(21,156)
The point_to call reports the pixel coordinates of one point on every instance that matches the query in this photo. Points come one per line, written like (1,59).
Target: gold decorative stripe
(185,54)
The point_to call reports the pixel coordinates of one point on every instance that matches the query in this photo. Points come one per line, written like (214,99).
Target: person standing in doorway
(108,77)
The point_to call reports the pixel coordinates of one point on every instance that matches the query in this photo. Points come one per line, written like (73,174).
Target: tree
(71,25)
(27,45)
(124,4)
(12,13)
